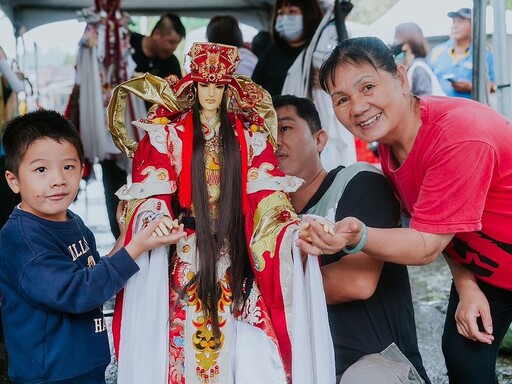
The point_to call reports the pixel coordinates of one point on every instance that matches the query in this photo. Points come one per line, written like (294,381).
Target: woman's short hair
(357,51)
(224,29)
(411,34)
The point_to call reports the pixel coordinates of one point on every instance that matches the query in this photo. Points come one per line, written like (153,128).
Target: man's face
(297,148)
(461,29)
(165,45)
(48,178)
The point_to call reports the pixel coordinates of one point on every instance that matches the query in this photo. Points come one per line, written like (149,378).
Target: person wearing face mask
(294,24)
(410,49)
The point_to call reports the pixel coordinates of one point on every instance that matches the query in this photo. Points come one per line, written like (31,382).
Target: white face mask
(289,27)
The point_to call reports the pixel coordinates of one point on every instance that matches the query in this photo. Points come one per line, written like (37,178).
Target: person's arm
(472,305)
(369,197)
(16,84)
(353,277)
(421,82)
(161,232)
(398,245)
(490,71)
(463,86)
(441,211)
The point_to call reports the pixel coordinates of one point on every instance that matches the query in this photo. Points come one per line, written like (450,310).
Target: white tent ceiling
(32,13)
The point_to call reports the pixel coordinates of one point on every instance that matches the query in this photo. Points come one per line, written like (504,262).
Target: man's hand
(462,86)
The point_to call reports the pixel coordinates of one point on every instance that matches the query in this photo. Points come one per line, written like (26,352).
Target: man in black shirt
(369,301)
(155,53)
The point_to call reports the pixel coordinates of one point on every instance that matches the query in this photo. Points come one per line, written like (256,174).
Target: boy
(52,279)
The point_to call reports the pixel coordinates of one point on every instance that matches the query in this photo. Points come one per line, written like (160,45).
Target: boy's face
(48,178)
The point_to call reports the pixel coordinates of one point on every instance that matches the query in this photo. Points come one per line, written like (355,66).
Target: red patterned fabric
(265,307)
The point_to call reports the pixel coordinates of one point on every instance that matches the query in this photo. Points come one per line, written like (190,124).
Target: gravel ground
(430,289)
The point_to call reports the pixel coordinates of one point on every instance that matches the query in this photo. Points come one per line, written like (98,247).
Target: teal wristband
(359,247)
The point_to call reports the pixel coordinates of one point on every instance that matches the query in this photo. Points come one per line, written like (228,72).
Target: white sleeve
(16,84)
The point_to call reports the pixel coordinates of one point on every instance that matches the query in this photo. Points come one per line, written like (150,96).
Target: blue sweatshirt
(53,286)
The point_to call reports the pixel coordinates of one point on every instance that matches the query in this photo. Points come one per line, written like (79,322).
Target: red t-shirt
(458,179)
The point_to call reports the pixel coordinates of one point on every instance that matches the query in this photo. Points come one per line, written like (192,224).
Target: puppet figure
(218,307)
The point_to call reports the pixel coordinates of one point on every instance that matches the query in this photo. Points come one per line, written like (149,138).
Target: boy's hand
(144,240)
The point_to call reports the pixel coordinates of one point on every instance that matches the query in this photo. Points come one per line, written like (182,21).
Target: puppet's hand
(305,230)
(166,227)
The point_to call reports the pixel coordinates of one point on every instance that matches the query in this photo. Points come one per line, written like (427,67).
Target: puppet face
(210,97)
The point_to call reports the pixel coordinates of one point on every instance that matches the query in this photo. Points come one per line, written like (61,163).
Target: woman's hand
(473,305)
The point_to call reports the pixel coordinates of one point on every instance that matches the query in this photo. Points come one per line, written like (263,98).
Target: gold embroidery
(212,163)
(272,215)
(203,340)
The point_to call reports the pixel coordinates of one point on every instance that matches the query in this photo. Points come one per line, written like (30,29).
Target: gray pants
(387,367)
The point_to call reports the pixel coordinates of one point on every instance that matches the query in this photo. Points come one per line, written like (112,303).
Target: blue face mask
(289,27)
(400,58)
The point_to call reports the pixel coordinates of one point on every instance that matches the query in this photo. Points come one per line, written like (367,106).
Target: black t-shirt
(368,326)
(272,67)
(153,65)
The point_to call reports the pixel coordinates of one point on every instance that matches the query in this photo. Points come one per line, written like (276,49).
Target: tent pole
(480,80)
(501,59)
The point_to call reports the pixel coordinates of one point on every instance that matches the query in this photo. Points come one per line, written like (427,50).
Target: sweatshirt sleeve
(54,283)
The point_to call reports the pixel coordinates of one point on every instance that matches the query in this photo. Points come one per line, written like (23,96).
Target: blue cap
(464,13)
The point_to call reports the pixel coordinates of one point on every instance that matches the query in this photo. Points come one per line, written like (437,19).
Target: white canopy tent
(32,13)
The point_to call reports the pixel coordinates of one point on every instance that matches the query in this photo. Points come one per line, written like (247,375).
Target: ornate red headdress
(213,63)
(209,63)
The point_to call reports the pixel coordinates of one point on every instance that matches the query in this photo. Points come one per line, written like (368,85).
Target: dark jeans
(114,178)
(472,362)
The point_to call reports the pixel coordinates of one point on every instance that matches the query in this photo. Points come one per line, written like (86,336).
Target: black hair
(224,29)
(357,51)
(228,228)
(23,130)
(305,109)
(168,23)
(311,17)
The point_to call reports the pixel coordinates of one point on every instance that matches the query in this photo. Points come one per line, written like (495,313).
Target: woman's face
(289,24)
(210,96)
(290,10)
(370,103)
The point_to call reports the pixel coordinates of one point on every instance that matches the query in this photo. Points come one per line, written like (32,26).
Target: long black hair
(228,229)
